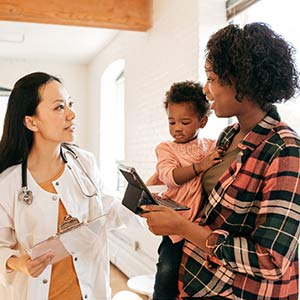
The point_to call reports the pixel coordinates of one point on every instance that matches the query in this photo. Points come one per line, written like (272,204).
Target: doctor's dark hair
(188,92)
(17,140)
(257,60)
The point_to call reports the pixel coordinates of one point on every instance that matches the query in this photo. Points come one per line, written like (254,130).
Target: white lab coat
(22,226)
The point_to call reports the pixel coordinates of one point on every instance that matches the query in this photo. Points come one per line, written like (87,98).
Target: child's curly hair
(188,92)
(259,62)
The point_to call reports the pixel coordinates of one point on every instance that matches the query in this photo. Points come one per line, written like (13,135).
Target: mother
(245,245)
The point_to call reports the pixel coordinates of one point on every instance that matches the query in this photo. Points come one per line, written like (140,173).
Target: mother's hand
(165,221)
(162,220)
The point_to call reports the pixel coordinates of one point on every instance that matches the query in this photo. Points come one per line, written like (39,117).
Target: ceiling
(59,43)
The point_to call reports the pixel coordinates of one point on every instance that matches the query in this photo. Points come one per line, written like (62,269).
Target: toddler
(180,164)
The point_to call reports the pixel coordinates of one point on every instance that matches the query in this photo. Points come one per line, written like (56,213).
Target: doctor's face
(54,117)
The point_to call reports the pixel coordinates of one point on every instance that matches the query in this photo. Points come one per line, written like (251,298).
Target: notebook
(137,193)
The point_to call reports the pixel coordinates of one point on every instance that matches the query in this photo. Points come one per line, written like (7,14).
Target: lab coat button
(54,198)
(75,258)
(57,183)
(45,281)
(85,296)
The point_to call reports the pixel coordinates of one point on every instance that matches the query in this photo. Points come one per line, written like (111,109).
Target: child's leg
(166,278)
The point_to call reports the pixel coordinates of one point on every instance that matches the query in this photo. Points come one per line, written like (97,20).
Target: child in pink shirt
(180,166)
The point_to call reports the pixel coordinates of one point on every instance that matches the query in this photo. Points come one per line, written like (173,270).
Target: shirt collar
(255,136)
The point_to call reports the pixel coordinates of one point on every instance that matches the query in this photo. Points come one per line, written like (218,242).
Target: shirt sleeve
(117,215)
(271,248)
(166,163)
(7,243)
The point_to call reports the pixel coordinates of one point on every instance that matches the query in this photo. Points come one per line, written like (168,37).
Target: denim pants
(166,278)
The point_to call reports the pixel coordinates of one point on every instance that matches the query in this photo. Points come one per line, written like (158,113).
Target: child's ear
(203,121)
(30,123)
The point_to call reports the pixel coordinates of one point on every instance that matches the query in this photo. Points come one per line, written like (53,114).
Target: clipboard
(72,236)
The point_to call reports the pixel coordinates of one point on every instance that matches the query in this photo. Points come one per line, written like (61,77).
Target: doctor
(38,190)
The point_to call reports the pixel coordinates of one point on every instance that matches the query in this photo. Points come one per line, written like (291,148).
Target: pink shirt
(171,155)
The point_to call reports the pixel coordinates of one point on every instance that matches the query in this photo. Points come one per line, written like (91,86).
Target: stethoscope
(26,194)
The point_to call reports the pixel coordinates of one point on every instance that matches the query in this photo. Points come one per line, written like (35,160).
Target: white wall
(153,60)
(212,17)
(74,78)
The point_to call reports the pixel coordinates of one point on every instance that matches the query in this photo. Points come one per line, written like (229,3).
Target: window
(112,150)
(3,104)
(234,7)
(119,134)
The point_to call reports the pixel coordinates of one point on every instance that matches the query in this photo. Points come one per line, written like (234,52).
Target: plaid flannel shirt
(254,213)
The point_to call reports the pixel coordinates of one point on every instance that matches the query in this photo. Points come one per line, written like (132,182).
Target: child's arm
(184,174)
(170,171)
(154,180)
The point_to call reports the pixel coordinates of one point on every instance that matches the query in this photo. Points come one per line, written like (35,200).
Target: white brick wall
(153,60)
(167,53)
(212,16)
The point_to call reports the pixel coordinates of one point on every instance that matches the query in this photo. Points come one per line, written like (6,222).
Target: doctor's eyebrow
(63,100)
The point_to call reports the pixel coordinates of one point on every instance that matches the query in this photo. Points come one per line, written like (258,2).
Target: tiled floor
(118,282)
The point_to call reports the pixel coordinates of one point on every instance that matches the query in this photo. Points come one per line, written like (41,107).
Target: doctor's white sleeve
(7,243)
(118,216)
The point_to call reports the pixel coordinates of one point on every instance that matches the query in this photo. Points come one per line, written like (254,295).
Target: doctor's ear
(30,123)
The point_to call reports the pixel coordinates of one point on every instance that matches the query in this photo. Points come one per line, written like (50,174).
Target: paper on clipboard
(73,237)
(54,245)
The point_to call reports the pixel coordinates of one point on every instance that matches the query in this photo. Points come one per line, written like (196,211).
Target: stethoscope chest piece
(25,195)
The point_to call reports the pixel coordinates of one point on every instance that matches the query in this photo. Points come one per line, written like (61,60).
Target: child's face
(184,122)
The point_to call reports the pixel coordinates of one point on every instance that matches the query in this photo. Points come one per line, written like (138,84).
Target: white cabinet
(134,251)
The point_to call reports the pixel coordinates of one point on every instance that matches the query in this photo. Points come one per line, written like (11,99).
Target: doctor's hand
(162,220)
(28,266)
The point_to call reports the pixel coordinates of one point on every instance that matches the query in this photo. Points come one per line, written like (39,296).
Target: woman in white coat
(39,119)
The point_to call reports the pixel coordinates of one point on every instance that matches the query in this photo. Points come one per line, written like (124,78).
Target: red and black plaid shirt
(254,212)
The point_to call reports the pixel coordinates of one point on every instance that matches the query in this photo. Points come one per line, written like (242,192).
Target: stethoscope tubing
(26,194)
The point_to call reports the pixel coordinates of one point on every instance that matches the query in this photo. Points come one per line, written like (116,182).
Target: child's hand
(210,160)
(154,180)
(182,175)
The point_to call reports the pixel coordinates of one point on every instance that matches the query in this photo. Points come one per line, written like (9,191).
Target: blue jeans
(166,278)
